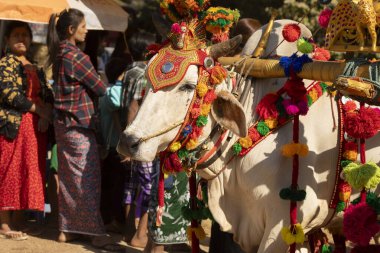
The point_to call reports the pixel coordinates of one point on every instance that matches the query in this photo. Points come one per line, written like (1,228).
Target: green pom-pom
(197,214)
(309,100)
(344,163)
(323,86)
(362,176)
(340,206)
(236,148)
(183,153)
(372,200)
(304,47)
(202,120)
(262,128)
(294,195)
(326,248)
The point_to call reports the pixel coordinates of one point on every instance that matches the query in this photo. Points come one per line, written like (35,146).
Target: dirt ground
(46,243)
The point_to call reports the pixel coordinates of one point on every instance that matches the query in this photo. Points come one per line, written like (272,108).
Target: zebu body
(244,197)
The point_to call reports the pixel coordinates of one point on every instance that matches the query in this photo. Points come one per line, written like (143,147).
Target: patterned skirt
(79,180)
(22,167)
(173,227)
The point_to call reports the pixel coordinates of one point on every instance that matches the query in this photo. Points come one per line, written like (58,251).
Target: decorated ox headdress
(186,43)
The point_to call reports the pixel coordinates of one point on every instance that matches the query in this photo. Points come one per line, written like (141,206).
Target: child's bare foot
(67,237)
(139,242)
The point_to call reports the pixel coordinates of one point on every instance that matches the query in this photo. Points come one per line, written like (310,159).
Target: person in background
(25,115)
(122,101)
(76,87)
(112,170)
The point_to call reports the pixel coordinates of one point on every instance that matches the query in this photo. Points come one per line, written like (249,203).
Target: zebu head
(176,78)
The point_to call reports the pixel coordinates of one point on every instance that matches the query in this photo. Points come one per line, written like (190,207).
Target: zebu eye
(187,87)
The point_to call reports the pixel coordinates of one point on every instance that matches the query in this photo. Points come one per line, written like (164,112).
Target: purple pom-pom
(302,106)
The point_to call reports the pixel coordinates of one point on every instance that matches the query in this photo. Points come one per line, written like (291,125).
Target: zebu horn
(260,49)
(270,68)
(225,47)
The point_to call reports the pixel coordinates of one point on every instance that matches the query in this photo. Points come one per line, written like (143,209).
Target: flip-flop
(20,236)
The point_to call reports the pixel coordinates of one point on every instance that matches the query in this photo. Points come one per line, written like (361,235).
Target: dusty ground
(46,243)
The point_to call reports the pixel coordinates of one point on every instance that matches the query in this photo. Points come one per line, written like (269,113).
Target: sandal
(14,235)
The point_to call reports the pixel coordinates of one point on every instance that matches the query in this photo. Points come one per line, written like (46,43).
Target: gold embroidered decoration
(170,66)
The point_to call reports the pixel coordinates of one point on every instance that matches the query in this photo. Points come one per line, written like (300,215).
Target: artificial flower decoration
(324,17)
(174,146)
(293,234)
(219,20)
(321,54)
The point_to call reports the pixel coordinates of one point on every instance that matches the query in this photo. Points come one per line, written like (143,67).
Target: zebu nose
(128,144)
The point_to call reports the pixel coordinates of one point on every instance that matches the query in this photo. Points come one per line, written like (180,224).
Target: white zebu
(244,198)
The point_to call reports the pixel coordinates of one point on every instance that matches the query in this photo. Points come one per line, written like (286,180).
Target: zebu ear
(229,113)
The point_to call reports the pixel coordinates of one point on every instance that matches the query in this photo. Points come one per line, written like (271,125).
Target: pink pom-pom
(290,108)
(176,28)
(360,223)
(291,32)
(321,54)
(324,17)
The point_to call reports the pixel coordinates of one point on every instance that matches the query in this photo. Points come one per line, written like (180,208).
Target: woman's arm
(84,71)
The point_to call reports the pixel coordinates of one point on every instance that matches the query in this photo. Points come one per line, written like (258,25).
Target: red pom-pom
(209,97)
(253,134)
(360,223)
(324,17)
(363,124)
(321,54)
(267,106)
(295,88)
(351,146)
(291,32)
(172,163)
(349,106)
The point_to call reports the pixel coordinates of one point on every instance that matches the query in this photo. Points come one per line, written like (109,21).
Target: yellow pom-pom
(202,89)
(205,109)
(218,74)
(295,236)
(351,155)
(300,235)
(245,142)
(191,144)
(174,146)
(303,149)
(291,149)
(271,123)
(200,233)
(313,95)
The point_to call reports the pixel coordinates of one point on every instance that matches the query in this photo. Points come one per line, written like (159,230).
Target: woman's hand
(43,125)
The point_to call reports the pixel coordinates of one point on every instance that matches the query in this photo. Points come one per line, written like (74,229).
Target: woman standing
(76,85)
(25,112)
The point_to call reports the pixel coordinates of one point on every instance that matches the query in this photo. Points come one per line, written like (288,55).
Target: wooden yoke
(270,68)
